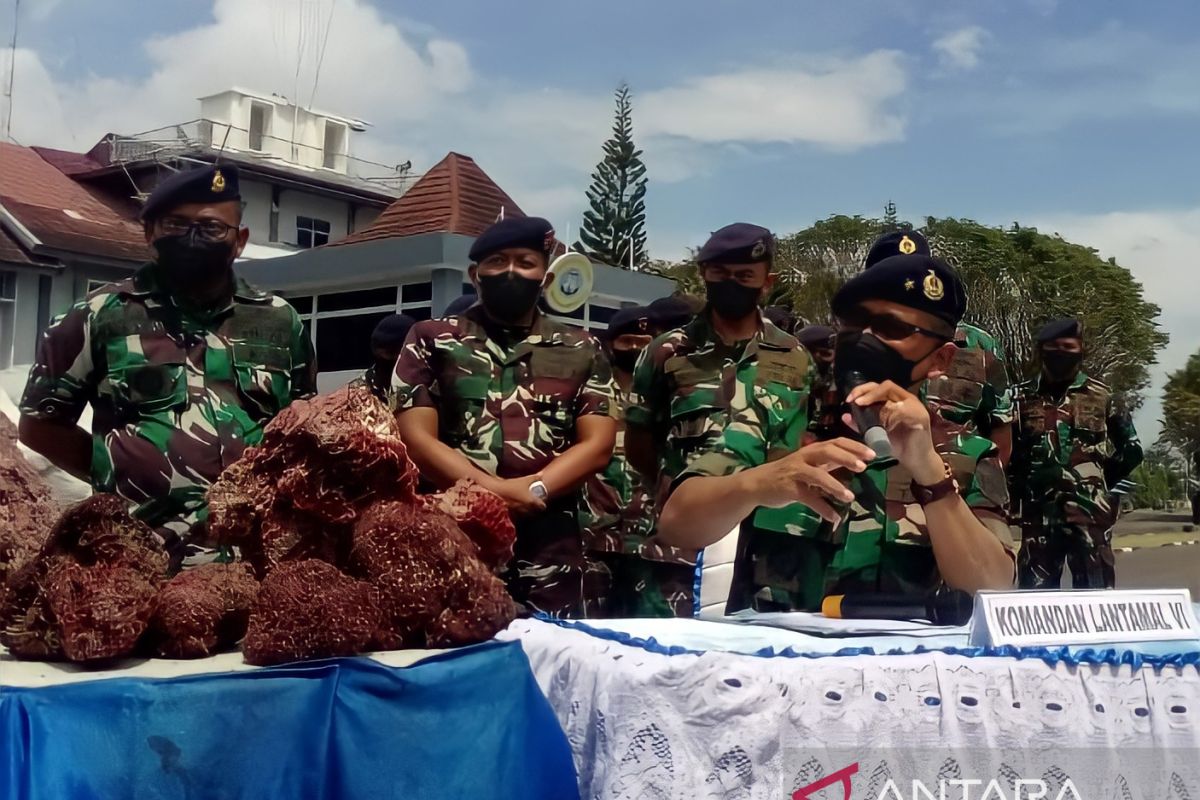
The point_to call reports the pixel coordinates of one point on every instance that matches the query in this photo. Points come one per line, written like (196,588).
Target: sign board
(1089,617)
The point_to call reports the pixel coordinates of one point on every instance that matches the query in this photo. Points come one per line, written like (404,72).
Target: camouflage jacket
(1069,452)
(176,395)
(616,512)
(370,381)
(507,401)
(974,395)
(689,388)
(824,407)
(881,543)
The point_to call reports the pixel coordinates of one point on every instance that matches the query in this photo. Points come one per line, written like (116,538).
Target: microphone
(866,418)
(941,608)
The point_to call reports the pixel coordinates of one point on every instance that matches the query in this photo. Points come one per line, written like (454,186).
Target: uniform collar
(147,281)
(1080,379)
(700,331)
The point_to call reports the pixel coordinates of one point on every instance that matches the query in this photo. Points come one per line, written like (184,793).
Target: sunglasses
(886,326)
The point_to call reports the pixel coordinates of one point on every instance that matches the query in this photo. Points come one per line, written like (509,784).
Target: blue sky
(1078,117)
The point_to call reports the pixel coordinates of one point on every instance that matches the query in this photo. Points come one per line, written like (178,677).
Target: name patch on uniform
(685,373)
(789,367)
(559,362)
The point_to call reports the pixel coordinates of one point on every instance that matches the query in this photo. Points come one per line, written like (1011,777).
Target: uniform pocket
(150,388)
(264,377)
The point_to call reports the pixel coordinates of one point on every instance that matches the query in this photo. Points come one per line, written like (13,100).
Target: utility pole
(12,71)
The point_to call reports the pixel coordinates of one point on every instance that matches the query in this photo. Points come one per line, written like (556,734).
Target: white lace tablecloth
(644,723)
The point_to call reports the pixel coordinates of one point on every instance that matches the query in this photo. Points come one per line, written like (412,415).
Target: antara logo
(946,789)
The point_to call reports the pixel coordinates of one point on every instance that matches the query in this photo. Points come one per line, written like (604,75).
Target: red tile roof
(63,214)
(454,196)
(11,252)
(67,162)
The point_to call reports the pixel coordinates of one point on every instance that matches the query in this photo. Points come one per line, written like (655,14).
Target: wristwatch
(538,490)
(924,495)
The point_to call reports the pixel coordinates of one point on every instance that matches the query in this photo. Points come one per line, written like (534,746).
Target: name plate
(1096,617)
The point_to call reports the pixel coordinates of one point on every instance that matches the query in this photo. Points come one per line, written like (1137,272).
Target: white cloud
(841,105)
(1160,248)
(960,49)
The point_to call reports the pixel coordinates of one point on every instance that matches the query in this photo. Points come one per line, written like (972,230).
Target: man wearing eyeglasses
(933,516)
(183,364)
(974,394)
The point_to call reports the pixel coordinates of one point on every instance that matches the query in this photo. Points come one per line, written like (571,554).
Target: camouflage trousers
(621,585)
(546,572)
(1047,544)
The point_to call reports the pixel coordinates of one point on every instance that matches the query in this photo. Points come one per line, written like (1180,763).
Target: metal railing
(205,136)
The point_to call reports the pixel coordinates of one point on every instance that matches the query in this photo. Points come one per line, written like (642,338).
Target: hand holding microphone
(866,418)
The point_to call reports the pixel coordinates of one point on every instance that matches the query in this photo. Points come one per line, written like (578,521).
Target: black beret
(739,243)
(1059,329)
(459,304)
(391,331)
(214,183)
(669,313)
(532,232)
(634,319)
(897,243)
(813,336)
(922,282)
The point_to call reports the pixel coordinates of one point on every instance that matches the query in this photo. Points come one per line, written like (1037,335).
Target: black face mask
(188,260)
(508,297)
(871,358)
(1061,366)
(625,360)
(731,299)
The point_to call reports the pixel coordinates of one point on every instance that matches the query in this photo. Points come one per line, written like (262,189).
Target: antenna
(12,70)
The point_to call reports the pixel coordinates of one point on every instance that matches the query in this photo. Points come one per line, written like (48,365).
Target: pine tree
(615,223)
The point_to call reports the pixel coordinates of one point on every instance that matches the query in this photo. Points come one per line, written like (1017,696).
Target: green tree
(1181,407)
(1017,278)
(613,228)
(1158,481)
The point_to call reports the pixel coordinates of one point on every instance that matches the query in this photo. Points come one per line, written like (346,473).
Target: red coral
(26,507)
(297,494)
(89,592)
(100,611)
(203,610)
(308,609)
(483,516)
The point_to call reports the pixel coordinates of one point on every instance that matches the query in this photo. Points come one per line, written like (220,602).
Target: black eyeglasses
(886,326)
(212,230)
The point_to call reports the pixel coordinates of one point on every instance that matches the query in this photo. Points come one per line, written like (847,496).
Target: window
(8,286)
(311,232)
(45,285)
(344,343)
(374,299)
(335,145)
(260,124)
(303,305)
(599,316)
(416,293)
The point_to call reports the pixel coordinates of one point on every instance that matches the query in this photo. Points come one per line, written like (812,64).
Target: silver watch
(538,490)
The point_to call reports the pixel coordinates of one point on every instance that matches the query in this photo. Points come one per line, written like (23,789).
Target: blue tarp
(469,724)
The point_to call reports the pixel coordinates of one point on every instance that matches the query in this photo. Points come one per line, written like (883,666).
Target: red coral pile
(26,508)
(203,610)
(296,495)
(307,609)
(91,591)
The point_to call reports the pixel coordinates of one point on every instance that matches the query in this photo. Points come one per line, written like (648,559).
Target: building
(347,240)
(413,259)
(68,221)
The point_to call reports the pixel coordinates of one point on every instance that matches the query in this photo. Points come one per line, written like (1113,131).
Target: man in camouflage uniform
(824,403)
(932,517)
(727,370)
(507,397)
(1074,443)
(974,394)
(628,575)
(183,364)
(387,340)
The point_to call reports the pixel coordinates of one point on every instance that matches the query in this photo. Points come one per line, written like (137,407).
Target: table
(464,723)
(688,709)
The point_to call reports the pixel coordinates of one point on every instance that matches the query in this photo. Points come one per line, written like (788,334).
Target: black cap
(739,243)
(634,319)
(391,331)
(532,232)
(215,183)
(922,282)
(1059,329)
(669,313)
(814,336)
(897,243)
(459,304)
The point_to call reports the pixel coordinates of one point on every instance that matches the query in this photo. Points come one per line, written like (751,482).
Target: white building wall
(256,216)
(293,204)
(365,215)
